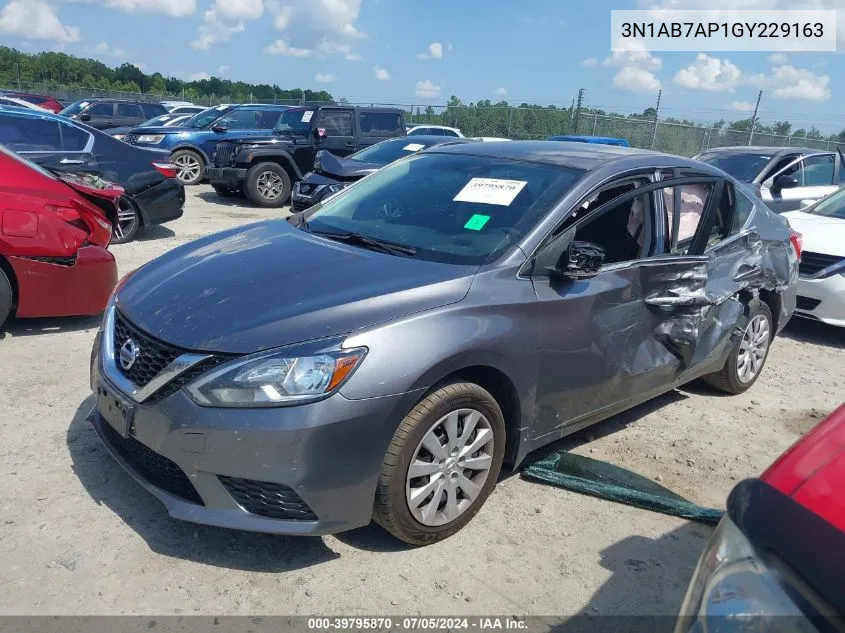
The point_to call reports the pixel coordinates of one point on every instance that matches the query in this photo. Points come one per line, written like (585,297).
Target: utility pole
(578,111)
(656,114)
(571,113)
(18,74)
(754,118)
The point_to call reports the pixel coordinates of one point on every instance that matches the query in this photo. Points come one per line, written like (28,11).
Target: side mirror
(85,116)
(784,182)
(585,260)
(219,127)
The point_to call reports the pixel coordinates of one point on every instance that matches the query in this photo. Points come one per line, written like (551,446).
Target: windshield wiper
(366,241)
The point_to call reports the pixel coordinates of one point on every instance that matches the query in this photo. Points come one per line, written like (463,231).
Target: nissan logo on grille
(129,353)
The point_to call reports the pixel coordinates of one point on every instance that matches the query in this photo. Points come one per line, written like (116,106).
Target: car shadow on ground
(108,484)
(648,582)
(48,325)
(154,232)
(815,332)
(212,197)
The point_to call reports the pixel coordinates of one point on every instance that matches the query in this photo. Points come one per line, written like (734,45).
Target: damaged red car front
(54,234)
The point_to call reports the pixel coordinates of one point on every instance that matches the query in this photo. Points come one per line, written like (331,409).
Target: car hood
(269,285)
(328,164)
(821,234)
(160,129)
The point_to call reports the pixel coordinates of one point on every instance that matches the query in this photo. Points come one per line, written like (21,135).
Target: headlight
(119,137)
(275,379)
(153,139)
(733,584)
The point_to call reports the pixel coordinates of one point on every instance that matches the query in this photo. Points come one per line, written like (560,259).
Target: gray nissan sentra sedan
(383,354)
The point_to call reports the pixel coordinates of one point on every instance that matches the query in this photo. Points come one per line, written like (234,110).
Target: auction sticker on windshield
(477,222)
(490,191)
(413,147)
(306,116)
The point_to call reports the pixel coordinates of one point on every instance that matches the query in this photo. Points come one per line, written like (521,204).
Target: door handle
(350,144)
(749,273)
(71,161)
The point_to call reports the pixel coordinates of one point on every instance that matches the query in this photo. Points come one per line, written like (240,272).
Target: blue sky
(537,51)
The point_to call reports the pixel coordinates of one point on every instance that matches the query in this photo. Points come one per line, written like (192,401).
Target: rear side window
(449,133)
(23,134)
(693,201)
(818,170)
(73,139)
(240,120)
(420,131)
(336,123)
(130,110)
(101,109)
(742,210)
(380,123)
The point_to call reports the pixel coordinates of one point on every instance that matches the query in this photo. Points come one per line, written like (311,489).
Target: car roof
(761,149)
(434,125)
(431,139)
(586,156)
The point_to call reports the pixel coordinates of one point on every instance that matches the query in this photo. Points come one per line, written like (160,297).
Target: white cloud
(281,47)
(353,57)
(214,30)
(449,46)
(223,69)
(105,50)
(799,83)
(282,16)
(427,89)
(742,106)
(323,16)
(501,92)
(199,76)
(779,59)
(710,74)
(240,9)
(325,78)
(435,51)
(633,52)
(35,20)
(381,74)
(590,62)
(173,8)
(636,80)
(328,47)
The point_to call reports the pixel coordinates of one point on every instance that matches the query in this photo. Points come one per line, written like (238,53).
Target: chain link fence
(513,122)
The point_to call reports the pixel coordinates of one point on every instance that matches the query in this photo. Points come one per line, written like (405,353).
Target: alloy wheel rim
(126,221)
(753,348)
(269,185)
(189,168)
(449,467)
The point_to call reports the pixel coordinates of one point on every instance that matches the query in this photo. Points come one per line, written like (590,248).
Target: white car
(14,102)
(424,129)
(489,139)
(821,283)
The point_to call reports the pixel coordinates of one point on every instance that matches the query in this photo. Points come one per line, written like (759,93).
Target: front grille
(806,303)
(267,499)
(298,206)
(155,468)
(811,263)
(154,355)
(307,189)
(223,154)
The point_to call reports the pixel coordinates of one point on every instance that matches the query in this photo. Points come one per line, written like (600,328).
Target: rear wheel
(441,465)
(191,166)
(267,185)
(226,192)
(127,224)
(5,297)
(746,360)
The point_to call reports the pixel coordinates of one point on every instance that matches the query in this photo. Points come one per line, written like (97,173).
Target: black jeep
(265,168)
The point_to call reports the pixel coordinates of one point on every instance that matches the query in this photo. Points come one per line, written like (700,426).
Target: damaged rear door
(634,329)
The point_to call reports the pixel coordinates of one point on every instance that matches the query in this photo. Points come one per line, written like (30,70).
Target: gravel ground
(79,536)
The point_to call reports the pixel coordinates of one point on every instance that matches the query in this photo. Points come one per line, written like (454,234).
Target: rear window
(75,108)
(744,167)
(380,123)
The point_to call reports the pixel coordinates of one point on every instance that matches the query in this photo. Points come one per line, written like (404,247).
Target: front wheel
(191,166)
(441,465)
(127,224)
(746,360)
(267,185)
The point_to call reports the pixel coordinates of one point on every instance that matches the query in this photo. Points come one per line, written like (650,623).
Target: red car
(48,103)
(53,238)
(777,560)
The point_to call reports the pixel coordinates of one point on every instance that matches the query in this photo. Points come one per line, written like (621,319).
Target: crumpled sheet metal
(606,481)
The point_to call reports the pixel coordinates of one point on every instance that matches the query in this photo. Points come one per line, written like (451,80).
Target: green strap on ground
(606,481)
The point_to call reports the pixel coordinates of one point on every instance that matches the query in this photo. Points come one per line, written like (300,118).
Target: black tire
(728,379)
(251,185)
(186,156)
(226,192)
(5,297)
(391,509)
(124,228)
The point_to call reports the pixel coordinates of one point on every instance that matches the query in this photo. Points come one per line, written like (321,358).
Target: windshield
(159,120)
(74,108)
(207,117)
(833,206)
(744,167)
(296,121)
(388,151)
(449,208)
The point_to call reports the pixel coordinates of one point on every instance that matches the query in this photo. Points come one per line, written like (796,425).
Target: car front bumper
(225,176)
(822,299)
(307,469)
(161,203)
